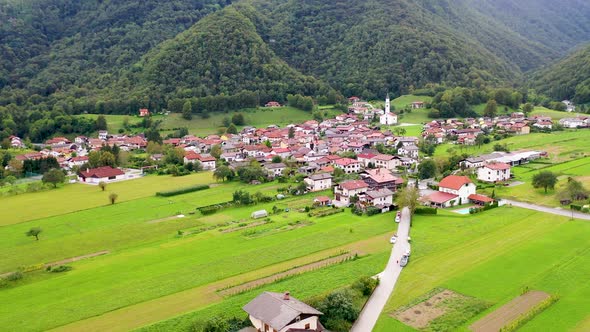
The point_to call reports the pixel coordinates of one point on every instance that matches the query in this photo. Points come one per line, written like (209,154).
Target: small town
(294,166)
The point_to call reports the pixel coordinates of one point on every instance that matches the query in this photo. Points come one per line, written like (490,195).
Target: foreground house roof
(440,197)
(278,310)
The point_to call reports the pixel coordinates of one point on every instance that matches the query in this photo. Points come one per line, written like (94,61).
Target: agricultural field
(152,258)
(555,115)
(494,257)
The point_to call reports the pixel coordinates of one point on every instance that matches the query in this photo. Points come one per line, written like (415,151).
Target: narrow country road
(368,317)
(559,212)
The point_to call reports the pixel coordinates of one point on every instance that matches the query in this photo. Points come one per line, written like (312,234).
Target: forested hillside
(566,79)
(220,55)
(53,45)
(116,56)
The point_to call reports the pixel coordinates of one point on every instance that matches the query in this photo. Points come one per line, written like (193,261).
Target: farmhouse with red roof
(494,172)
(101,174)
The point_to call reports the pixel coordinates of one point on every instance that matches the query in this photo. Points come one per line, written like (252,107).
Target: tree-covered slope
(51,45)
(370,47)
(221,54)
(566,79)
(558,24)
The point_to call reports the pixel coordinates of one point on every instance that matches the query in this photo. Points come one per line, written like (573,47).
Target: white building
(379,198)
(275,312)
(494,172)
(388,118)
(101,174)
(318,182)
(461,186)
(348,165)
(348,189)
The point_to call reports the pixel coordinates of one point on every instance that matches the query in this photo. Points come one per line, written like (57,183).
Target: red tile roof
(498,166)
(439,197)
(101,172)
(480,198)
(346,161)
(454,182)
(354,184)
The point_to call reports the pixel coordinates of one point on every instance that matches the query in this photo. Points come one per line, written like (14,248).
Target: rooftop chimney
(286,296)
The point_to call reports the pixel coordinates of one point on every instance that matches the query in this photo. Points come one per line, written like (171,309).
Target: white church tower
(388,118)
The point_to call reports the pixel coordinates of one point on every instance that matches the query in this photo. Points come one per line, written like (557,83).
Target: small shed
(259,214)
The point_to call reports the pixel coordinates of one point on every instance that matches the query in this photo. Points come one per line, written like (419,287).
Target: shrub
(324,213)
(576,207)
(14,276)
(59,269)
(371,211)
(425,210)
(366,285)
(181,191)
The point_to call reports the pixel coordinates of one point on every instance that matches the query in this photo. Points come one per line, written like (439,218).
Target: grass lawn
(493,256)
(578,169)
(148,261)
(555,115)
(114,122)
(561,145)
(260,117)
(75,197)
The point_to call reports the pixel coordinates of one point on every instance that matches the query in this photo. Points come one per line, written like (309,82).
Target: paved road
(368,317)
(559,212)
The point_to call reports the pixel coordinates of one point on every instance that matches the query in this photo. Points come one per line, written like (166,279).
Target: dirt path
(155,221)
(294,271)
(77,258)
(507,313)
(66,261)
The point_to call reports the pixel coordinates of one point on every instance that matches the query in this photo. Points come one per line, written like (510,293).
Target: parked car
(398,216)
(404,261)
(393,239)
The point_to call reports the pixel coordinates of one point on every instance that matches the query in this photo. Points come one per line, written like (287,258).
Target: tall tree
(491,109)
(187,110)
(35,231)
(54,176)
(408,197)
(545,180)
(101,123)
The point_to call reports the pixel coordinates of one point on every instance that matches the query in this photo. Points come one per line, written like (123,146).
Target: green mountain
(566,79)
(117,55)
(221,54)
(55,45)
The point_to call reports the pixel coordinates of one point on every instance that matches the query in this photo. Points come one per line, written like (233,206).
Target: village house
(144,112)
(385,161)
(381,178)
(318,182)
(417,104)
(275,169)
(410,151)
(103,134)
(77,161)
(348,189)
(381,199)
(573,122)
(452,190)
(348,165)
(16,142)
(494,172)
(101,174)
(276,312)
(322,201)
(272,104)
(207,162)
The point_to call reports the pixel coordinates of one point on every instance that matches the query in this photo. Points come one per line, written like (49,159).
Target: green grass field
(75,197)
(578,169)
(147,259)
(561,146)
(260,117)
(555,115)
(494,256)
(115,122)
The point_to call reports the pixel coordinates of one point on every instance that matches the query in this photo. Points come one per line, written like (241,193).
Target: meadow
(148,260)
(493,257)
(257,117)
(75,197)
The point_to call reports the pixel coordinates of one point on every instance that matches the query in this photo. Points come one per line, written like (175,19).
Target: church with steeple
(388,118)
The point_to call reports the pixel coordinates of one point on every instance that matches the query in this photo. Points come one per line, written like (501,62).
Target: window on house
(307,326)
